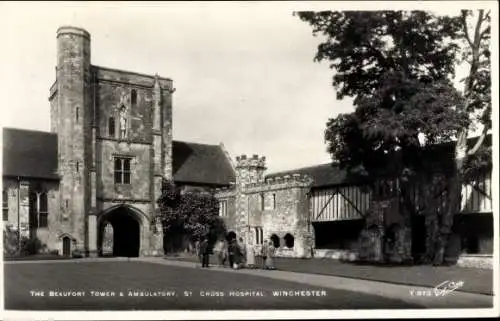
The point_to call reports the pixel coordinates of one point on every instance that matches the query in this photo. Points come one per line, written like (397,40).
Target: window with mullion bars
(223,208)
(43,211)
(5,205)
(122,170)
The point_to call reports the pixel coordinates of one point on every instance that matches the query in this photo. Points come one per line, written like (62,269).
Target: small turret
(250,170)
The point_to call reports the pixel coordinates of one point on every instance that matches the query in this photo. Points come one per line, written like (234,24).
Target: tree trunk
(454,197)
(461,152)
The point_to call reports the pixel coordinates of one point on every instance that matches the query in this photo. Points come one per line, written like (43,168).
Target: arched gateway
(126,223)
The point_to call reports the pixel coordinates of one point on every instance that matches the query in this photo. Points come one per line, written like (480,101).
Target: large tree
(399,66)
(188,215)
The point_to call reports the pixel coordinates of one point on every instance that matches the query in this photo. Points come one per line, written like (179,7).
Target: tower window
(133,97)
(262,202)
(223,208)
(77,166)
(43,211)
(122,170)
(111,127)
(5,205)
(274,201)
(77,113)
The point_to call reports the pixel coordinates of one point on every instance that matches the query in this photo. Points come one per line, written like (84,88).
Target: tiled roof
(202,164)
(322,175)
(33,154)
(29,153)
(329,174)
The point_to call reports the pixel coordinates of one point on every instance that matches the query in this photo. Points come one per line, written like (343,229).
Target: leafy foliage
(363,45)
(193,213)
(28,246)
(382,135)
(398,66)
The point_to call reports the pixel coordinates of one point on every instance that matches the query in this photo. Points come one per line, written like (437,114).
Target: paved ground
(157,274)
(205,288)
(422,296)
(475,280)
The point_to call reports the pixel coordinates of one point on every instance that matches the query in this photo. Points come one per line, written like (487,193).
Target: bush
(30,246)
(10,237)
(77,254)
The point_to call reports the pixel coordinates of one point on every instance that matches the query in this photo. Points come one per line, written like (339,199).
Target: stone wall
(48,236)
(140,178)
(111,97)
(18,194)
(279,206)
(83,99)
(476,261)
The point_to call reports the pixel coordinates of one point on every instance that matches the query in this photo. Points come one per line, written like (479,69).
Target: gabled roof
(33,154)
(201,164)
(29,154)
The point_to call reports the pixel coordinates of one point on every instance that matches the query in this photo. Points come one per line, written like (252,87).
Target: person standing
(219,252)
(231,249)
(270,256)
(203,253)
(250,257)
(237,254)
(263,251)
(242,252)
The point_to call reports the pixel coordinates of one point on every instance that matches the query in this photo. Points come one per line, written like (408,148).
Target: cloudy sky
(244,73)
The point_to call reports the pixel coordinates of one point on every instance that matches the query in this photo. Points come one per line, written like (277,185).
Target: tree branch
(481,36)
(479,142)
(477,38)
(464,25)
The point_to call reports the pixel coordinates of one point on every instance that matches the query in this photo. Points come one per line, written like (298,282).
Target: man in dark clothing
(231,251)
(203,254)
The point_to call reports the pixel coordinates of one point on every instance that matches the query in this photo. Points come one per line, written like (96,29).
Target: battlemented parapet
(249,170)
(259,209)
(278,183)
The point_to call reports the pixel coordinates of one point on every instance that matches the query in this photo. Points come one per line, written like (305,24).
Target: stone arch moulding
(61,244)
(289,240)
(139,215)
(276,240)
(129,226)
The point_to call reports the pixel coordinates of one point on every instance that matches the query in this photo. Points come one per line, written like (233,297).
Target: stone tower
(248,171)
(72,119)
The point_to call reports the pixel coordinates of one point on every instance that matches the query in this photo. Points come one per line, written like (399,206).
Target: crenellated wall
(277,206)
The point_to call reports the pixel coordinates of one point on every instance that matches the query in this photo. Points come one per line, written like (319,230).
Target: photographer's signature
(442,289)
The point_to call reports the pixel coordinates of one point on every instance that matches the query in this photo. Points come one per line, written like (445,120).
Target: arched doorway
(126,231)
(66,246)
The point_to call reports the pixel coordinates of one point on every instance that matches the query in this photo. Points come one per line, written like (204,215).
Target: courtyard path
(423,296)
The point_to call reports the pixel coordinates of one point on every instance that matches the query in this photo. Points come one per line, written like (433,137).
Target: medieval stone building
(320,211)
(102,163)
(100,169)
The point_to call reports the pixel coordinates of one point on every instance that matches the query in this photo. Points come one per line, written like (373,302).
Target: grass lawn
(115,277)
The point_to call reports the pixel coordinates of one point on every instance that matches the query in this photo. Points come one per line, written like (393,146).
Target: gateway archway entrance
(125,238)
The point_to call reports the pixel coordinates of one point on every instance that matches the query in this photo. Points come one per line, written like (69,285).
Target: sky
(244,72)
